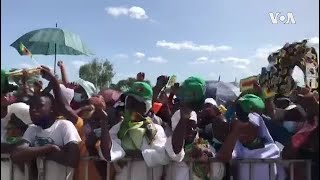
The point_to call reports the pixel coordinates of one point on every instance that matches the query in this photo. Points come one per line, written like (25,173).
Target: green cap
(192,90)
(141,91)
(250,102)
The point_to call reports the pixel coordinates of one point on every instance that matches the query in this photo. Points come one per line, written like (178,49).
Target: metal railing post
(191,170)
(42,169)
(11,170)
(129,170)
(108,170)
(291,166)
(250,171)
(86,169)
(26,171)
(271,171)
(308,169)
(149,173)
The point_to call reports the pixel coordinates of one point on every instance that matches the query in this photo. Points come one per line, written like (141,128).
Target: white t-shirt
(60,133)
(21,110)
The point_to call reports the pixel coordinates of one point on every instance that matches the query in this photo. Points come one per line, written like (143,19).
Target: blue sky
(209,38)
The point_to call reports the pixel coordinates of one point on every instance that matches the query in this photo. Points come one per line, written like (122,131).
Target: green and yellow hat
(192,90)
(141,91)
(251,102)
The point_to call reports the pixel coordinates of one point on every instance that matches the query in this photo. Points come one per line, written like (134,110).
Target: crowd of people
(154,127)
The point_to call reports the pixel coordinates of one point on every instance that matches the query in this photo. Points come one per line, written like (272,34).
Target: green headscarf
(192,90)
(251,102)
(132,129)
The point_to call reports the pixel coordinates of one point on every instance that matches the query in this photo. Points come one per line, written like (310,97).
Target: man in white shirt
(55,140)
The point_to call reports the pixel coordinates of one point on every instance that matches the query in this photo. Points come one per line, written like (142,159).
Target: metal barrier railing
(150,171)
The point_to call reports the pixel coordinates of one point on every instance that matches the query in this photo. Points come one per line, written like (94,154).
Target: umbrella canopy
(51,41)
(221,91)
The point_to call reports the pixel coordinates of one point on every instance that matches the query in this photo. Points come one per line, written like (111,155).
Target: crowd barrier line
(41,167)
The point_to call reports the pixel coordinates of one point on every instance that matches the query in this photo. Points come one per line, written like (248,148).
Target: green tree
(98,72)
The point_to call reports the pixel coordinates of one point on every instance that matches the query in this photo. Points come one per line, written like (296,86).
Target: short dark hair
(45,94)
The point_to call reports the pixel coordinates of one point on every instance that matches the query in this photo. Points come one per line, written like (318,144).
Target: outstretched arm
(24,153)
(61,101)
(63,73)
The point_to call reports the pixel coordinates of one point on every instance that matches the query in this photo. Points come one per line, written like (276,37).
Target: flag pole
(55,54)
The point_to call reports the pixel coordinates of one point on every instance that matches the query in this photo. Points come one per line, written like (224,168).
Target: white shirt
(154,156)
(179,169)
(60,133)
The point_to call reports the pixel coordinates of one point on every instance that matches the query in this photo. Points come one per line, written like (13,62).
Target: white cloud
(121,76)
(235,60)
(314,42)
(212,75)
(29,66)
(263,53)
(200,60)
(117,11)
(25,65)
(121,56)
(137,13)
(133,12)
(238,66)
(139,55)
(189,45)
(137,61)
(78,63)
(157,59)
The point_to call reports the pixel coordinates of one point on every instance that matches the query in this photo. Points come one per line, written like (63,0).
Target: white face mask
(291,126)
(77,97)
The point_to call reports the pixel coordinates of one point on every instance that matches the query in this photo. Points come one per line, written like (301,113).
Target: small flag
(247,83)
(24,50)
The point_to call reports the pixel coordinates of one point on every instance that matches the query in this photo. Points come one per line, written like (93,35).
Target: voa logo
(277,18)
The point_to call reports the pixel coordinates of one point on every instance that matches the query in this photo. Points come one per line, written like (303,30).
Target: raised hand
(140,76)
(46,73)
(60,64)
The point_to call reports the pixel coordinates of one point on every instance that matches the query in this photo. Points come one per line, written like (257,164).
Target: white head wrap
(263,132)
(177,116)
(89,88)
(269,151)
(211,101)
